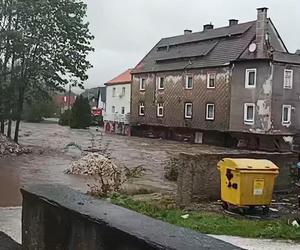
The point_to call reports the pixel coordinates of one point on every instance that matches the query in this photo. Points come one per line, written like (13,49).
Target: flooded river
(51,156)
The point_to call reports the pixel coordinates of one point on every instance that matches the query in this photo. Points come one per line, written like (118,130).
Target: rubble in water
(9,147)
(109,176)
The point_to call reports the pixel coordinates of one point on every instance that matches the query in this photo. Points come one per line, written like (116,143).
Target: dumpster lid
(248,164)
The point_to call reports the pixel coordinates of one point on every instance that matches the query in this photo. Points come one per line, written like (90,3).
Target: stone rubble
(109,176)
(93,164)
(9,147)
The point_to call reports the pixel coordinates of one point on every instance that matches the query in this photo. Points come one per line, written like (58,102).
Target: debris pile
(109,177)
(9,147)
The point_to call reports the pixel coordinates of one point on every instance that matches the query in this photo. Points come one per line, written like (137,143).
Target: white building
(118,93)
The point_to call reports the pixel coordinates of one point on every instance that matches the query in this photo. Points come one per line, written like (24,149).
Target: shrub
(81,113)
(65,118)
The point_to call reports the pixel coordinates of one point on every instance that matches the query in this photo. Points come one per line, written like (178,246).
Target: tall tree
(50,46)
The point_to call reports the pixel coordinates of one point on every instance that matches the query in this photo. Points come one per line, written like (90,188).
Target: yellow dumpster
(247,182)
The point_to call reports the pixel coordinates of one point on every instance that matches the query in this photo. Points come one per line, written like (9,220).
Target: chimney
(207,27)
(187,32)
(261,31)
(233,22)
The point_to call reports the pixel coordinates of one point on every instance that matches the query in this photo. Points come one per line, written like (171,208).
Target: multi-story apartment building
(236,85)
(117,113)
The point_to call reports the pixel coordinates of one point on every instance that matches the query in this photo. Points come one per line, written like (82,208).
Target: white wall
(118,100)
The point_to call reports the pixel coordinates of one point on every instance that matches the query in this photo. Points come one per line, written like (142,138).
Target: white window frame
(285,85)
(247,86)
(208,78)
(159,82)
(160,106)
(141,105)
(142,86)
(114,91)
(187,82)
(185,110)
(289,107)
(207,107)
(246,121)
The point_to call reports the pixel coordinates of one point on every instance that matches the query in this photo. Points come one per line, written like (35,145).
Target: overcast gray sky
(125,30)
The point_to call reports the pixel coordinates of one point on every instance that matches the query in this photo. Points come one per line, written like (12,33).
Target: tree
(47,44)
(81,113)
(39,109)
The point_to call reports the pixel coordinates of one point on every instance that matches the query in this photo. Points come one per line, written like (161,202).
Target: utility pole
(69,105)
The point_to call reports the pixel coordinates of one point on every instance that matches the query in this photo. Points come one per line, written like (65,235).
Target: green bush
(65,118)
(81,117)
(36,110)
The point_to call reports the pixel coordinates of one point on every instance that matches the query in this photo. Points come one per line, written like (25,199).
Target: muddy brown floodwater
(51,157)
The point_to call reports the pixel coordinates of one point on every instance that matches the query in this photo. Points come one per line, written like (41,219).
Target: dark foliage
(65,117)
(81,113)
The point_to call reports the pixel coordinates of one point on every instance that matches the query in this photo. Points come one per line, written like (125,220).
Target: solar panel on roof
(206,35)
(186,51)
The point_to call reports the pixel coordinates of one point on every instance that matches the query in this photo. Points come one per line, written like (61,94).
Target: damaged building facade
(233,86)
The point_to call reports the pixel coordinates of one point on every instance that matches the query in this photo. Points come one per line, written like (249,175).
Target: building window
(142,83)
(142,108)
(113,109)
(161,83)
(210,111)
(188,110)
(160,109)
(286,114)
(123,91)
(249,113)
(288,79)
(123,110)
(250,80)
(211,80)
(189,82)
(114,92)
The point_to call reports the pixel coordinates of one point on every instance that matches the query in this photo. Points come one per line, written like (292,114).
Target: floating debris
(185,216)
(9,147)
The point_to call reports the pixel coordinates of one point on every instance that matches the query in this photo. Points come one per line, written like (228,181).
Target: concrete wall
(57,217)
(199,179)
(118,101)
(283,96)
(174,97)
(261,96)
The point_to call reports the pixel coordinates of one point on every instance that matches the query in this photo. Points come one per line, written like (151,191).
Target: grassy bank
(213,223)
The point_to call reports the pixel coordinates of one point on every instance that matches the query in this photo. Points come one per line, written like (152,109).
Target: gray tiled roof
(286,57)
(209,48)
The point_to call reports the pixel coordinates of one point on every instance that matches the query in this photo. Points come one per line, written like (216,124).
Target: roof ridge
(208,31)
(124,77)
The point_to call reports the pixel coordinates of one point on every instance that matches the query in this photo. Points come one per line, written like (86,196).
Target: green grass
(213,223)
